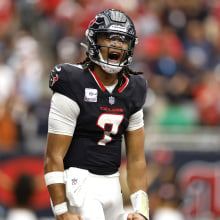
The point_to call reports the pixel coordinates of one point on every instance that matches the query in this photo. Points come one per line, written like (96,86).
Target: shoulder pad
(143,88)
(60,77)
(140,85)
(65,78)
(54,75)
(62,74)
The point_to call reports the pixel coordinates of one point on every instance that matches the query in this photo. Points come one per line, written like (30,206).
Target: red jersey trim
(102,87)
(121,89)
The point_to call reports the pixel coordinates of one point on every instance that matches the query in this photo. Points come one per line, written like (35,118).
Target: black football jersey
(103,118)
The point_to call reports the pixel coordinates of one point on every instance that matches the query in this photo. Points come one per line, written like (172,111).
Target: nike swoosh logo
(58,69)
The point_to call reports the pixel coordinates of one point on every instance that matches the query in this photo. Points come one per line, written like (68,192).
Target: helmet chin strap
(108,67)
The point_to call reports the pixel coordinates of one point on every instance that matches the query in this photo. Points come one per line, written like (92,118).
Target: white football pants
(103,198)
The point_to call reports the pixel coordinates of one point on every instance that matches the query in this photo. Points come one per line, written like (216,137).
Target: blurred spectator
(157,45)
(8,126)
(199,51)
(169,206)
(23,191)
(7,81)
(207,98)
(8,131)
(68,50)
(161,172)
(6,17)
(26,62)
(178,110)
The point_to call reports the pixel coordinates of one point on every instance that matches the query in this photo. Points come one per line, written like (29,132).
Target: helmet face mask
(115,26)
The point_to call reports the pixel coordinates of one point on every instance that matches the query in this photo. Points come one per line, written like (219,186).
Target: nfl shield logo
(111,100)
(74,181)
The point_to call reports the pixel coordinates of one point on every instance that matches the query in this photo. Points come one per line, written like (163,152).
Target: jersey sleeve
(60,80)
(136,121)
(140,88)
(63,115)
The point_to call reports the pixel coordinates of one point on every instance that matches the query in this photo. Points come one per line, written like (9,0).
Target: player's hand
(68,216)
(135,216)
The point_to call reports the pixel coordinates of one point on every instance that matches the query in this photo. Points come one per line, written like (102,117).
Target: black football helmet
(111,21)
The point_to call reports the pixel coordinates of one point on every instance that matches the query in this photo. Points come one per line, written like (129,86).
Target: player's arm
(136,167)
(136,163)
(57,145)
(61,123)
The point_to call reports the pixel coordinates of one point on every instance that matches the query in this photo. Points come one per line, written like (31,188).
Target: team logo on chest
(90,95)
(111,100)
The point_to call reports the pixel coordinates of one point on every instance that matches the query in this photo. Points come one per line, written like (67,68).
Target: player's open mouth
(114,57)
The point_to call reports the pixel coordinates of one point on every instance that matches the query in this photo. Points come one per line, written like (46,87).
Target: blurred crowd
(178,53)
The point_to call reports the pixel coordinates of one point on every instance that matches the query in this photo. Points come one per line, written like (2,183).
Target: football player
(94,105)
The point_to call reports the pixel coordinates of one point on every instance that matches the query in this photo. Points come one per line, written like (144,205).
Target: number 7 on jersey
(109,119)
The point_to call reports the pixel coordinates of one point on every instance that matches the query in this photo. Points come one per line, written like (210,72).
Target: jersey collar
(98,81)
(125,81)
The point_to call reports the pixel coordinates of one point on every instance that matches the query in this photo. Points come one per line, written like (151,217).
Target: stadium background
(178,51)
